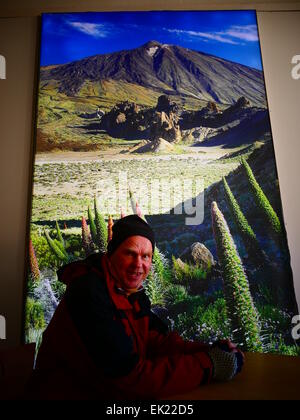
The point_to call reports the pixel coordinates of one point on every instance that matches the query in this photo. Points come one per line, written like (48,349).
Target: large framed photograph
(163,114)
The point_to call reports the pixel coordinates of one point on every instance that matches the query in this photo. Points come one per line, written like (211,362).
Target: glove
(228,346)
(225,364)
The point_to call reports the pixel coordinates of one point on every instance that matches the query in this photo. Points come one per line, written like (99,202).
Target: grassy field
(62,190)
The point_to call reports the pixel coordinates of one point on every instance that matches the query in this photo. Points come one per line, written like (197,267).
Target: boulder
(199,255)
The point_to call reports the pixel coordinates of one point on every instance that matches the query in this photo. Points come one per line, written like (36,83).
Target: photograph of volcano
(163,114)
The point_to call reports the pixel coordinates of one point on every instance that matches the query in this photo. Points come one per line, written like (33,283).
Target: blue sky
(228,34)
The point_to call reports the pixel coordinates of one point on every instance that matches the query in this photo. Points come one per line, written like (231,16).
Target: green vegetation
(244,229)
(101,228)
(159,279)
(197,319)
(176,293)
(242,312)
(196,304)
(57,249)
(161,267)
(231,315)
(154,288)
(34,317)
(59,235)
(278,346)
(185,273)
(45,257)
(262,201)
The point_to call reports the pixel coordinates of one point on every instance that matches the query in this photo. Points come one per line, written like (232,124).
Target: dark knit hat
(132,225)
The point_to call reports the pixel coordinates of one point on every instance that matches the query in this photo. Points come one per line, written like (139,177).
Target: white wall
(18,46)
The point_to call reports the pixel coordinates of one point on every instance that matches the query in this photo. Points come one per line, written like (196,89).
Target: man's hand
(226,367)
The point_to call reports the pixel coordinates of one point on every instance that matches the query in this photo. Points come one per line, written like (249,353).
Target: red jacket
(102,344)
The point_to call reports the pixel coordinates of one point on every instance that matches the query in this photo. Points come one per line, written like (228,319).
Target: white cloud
(96,30)
(246,33)
(208,35)
(233,35)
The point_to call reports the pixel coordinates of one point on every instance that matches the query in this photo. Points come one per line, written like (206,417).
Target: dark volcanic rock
(164,104)
(238,124)
(127,120)
(123,120)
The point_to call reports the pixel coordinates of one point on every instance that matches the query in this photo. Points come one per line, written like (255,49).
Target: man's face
(131,262)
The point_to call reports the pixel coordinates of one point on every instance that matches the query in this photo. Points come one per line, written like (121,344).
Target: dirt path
(205,154)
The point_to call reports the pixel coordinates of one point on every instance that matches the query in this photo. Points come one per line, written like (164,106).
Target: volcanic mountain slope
(168,69)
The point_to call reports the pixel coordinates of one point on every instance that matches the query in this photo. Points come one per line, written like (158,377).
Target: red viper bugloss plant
(34,266)
(138,210)
(239,303)
(110,224)
(86,237)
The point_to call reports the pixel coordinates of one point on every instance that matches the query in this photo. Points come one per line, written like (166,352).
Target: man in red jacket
(105,342)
